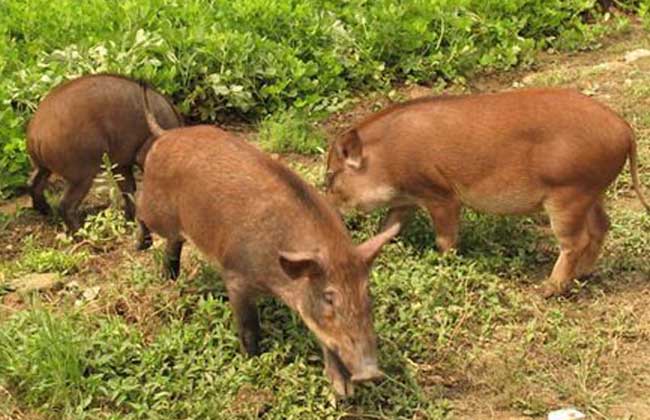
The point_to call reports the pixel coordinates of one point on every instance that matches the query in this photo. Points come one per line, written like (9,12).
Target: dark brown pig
(270,233)
(77,123)
(505,153)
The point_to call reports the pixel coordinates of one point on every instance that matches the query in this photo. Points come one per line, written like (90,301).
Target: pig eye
(329,297)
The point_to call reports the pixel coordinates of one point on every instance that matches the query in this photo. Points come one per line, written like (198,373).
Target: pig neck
(330,240)
(302,221)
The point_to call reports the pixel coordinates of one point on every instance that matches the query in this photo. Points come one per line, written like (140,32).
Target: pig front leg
(399,215)
(445,216)
(242,301)
(337,374)
(143,239)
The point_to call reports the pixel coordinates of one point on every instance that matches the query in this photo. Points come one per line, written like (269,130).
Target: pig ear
(370,248)
(301,264)
(350,149)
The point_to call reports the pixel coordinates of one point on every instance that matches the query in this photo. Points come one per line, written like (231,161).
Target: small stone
(36,282)
(9,247)
(609,65)
(636,55)
(91,293)
(12,300)
(417,91)
(591,89)
(72,285)
(566,414)
(529,80)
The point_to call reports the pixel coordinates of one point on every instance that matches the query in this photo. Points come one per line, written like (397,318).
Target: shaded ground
(491,349)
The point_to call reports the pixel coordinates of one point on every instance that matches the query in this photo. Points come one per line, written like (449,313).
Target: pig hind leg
(74,193)
(242,301)
(569,223)
(143,238)
(598,225)
(126,183)
(172,263)
(155,214)
(445,216)
(37,185)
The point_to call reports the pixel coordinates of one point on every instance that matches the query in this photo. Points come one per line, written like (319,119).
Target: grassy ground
(462,336)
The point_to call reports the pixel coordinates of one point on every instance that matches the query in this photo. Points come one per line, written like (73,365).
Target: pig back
(84,118)
(237,205)
(521,139)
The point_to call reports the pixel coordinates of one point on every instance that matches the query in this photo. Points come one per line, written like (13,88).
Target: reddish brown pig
(505,153)
(77,123)
(271,233)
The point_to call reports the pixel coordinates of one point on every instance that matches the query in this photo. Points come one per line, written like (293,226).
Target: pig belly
(502,197)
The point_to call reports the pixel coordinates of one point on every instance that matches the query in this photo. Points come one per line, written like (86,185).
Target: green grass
(43,356)
(223,59)
(105,229)
(291,132)
(39,259)
(460,335)
(181,358)
(193,368)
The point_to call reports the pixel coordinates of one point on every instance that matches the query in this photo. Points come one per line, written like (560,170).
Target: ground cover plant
(461,336)
(224,59)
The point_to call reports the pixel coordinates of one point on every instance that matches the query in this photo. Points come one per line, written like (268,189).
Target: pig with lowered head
(77,123)
(270,233)
(504,153)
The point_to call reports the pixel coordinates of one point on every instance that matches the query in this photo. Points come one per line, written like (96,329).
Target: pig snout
(368,371)
(361,368)
(363,365)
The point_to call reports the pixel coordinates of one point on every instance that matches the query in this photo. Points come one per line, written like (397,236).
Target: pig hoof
(252,351)
(343,389)
(143,243)
(550,290)
(72,224)
(42,208)
(251,348)
(172,269)
(73,227)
